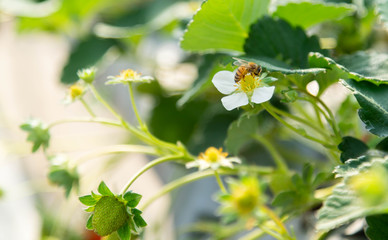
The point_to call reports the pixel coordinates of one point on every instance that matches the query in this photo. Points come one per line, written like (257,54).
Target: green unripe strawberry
(113,236)
(109,215)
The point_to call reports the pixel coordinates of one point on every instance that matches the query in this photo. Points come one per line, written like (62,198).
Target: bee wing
(239,62)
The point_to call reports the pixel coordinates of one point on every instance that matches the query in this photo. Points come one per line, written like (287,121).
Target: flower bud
(246,196)
(87,74)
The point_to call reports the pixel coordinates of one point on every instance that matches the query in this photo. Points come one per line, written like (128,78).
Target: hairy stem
(303,134)
(182,181)
(149,166)
(130,88)
(220,183)
(87,107)
(116,149)
(86,120)
(280,162)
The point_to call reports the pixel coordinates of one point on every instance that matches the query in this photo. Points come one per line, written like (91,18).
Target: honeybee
(244,68)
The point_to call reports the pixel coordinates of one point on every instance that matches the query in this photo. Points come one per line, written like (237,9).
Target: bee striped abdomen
(241,71)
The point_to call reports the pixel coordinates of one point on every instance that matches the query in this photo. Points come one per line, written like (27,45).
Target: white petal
(215,166)
(262,94)
(235,100)
(224,82)
(192,164)
(226,163)
(234,159)
(203,165)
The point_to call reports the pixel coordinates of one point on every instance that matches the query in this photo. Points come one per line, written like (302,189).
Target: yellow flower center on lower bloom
(213,155)
(76,91)
(248,83)
(129,74)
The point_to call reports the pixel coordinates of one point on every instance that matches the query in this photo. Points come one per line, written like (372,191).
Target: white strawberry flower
(250,89)
(213,158)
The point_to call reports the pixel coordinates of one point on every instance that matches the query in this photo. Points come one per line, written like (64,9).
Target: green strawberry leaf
(277,39)
(104,190)
(368,66)
(382,9)
(345,205)
(221,25)
(306,14)
(352,148)
(38,133)
(377,227)
(124,232)
(132,199)
(239,133)
(87,200)
(374,105)
(61,175)
(89,224)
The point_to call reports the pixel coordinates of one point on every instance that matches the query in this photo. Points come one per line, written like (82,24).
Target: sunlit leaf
(222,25)
(307,14)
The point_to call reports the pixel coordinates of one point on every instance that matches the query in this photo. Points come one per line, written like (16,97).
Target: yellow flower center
(129,74)
(248,83)
(76,91)
(213,155)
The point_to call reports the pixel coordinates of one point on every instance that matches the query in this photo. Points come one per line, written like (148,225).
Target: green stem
(146,137)
(130,88)
(90,111)
(301,120)
(334,124)
(301,110)
(116,149)
(275,218)
(254,169)
(86,120)
(318,115)
(101,100)
(219,181)
(325,115)
(182,181)
(271,233)
(330,118)
(147,167)
(255,234)
(280,162)
(303,134)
